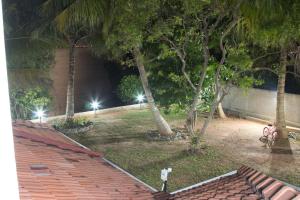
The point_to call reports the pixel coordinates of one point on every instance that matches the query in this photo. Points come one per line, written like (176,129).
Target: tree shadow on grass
(89,140)
(161,163)
(282,146)
(281,157)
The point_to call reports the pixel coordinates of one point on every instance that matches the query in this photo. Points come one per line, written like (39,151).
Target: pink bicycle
(269,135)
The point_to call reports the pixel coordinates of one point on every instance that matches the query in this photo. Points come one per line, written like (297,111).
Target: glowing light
(39,113)
(95,105)
(140,98)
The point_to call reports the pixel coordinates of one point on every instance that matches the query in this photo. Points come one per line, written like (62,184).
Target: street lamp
(39,113)
(95,105)
(140,98)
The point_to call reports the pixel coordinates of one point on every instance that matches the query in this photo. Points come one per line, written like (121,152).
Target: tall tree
(203,22)
(22,51)
(128,35)
(72,21)
(274,24)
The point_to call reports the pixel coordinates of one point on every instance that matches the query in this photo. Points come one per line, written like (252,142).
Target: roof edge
(130,175)
(204,182)
(111,163)
(58,144)
(77,143)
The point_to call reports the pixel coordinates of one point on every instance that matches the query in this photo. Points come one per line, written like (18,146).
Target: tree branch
(267,54)
(212,28)
(293,73)
(262,69)
(181,56)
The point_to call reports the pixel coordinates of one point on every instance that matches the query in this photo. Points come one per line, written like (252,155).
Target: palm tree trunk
(162,125)
(71,75)
(280,113)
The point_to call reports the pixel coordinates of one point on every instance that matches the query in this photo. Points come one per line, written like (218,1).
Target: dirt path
(238,138)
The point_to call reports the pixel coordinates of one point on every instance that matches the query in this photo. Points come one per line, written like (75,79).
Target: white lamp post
(164,177)
(140,98)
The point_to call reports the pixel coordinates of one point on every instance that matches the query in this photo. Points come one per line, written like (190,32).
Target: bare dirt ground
(239,138)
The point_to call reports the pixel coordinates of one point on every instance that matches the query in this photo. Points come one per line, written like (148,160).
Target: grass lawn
(121,137)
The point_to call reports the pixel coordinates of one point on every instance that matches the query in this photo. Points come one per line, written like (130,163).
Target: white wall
(262,104)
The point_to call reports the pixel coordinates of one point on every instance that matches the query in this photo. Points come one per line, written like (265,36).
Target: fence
(262,104)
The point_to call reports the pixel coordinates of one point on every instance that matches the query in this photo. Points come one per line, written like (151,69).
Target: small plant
(75,123)
(25,101)
(175,108)
(195,145)
(128,89)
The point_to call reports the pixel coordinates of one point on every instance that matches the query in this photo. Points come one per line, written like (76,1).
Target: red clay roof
(246,184)
(50,166)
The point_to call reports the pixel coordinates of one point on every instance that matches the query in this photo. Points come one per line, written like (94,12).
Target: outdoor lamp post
(164,177)
(95,105)
(39,113)
(140,98)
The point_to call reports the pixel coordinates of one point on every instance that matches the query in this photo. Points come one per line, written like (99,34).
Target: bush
(129,87)
(25,101)
(76,122)
(175,108)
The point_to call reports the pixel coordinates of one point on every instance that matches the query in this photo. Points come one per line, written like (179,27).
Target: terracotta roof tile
(246,184)
(230,187)
(296,198)
(270,190)
(285,193)
(49,166)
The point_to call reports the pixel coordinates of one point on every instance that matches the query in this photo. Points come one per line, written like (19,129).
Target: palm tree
(162,125)
(129,30)
(73,21)
(274,24)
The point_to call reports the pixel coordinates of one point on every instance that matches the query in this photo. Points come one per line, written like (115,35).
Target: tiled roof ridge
(267,187)
(58,144)
(160,195)
(209,183)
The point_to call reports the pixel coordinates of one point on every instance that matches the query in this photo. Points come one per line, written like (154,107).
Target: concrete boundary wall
(262,104)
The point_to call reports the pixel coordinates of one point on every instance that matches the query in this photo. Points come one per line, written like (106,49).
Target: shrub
(129,87)
(175,108)
(76,122)
(25,101)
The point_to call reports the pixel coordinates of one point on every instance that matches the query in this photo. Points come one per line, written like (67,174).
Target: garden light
(164,177)
(140,98)
(39,113)
(95,105)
